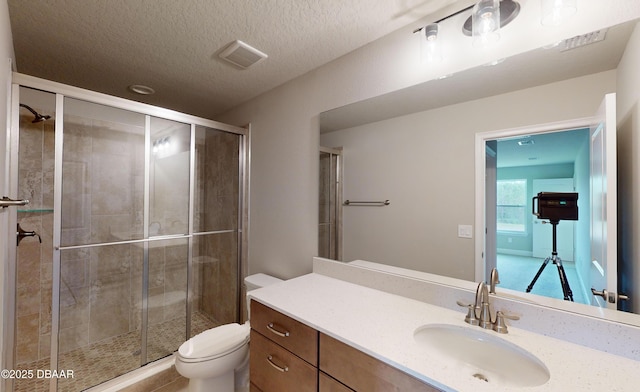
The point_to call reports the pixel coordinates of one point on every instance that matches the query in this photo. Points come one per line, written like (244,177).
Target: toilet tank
(257,281)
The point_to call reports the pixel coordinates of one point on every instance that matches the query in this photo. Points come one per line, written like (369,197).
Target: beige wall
(425,164)
(628,115)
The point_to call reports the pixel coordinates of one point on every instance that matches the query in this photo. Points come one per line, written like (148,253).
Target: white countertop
(382,325)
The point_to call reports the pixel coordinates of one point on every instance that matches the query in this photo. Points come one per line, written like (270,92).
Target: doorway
(526,165)
(522,156)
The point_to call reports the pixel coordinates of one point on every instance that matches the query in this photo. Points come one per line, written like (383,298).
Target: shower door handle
(7,202)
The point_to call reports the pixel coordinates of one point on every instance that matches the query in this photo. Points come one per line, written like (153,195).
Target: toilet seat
(214,343)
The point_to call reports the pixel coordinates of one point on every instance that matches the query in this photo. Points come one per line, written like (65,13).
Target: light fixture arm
(445,18)
(510,9)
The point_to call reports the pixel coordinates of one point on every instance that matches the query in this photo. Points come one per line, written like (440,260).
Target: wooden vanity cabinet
(284,352)
(287,355)
(362,372)
(327,383)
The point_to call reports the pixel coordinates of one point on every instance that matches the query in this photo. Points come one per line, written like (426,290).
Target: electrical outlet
(465,231)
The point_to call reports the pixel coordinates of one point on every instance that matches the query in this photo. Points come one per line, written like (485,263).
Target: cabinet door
(253,388)
(328,384)
(362,372)
(274,369)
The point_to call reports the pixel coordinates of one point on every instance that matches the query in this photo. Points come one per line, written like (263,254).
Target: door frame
(481,273)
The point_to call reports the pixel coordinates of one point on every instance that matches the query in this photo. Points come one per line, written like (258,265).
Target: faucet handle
(499,326)
(470,318)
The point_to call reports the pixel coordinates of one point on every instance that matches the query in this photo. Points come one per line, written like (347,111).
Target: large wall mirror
(416,148)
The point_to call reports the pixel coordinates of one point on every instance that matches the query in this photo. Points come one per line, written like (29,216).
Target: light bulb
(486,22)
(431,47)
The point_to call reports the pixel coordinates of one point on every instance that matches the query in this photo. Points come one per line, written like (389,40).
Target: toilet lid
(215,342)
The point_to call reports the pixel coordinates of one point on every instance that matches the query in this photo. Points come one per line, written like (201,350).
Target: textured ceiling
(173,45)
(542,149)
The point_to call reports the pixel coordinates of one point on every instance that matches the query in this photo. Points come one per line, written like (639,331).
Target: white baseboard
(514,252)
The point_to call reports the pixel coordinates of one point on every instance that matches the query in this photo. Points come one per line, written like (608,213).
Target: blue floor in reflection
(517,272)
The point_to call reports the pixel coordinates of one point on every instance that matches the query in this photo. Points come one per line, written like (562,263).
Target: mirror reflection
(415,148)
(525,166)
(170,159)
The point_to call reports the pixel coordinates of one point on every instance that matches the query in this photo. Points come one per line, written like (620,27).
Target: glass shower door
(33,275)
(165,270)
(216,229)
(101,254)
(140,219)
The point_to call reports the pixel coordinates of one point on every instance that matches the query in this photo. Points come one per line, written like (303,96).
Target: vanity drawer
(274,369)
(296,337)
(361,371)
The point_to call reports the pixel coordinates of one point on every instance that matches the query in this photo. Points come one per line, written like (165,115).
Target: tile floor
(113,357)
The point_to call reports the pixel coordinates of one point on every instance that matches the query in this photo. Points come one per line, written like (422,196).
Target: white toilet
(217,360)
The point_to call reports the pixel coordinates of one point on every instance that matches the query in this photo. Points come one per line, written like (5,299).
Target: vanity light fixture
(485,18)
(555,12)
(431,46)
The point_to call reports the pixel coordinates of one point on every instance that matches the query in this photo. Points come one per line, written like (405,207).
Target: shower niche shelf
(36,210)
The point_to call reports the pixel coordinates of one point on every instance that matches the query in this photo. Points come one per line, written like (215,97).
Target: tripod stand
(566,290)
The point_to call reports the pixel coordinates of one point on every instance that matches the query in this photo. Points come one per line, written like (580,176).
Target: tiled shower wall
(34,260)
(103,172)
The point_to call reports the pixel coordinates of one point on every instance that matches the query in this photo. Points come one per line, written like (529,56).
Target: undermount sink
(481,355)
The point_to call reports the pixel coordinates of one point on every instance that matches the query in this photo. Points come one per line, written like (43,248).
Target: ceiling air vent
(583,40)
(242,55)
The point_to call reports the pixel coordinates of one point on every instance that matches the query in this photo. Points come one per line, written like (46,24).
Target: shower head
(38,117)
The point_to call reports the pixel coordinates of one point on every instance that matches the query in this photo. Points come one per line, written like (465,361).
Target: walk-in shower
(38,117)
(140,213)
(330,204)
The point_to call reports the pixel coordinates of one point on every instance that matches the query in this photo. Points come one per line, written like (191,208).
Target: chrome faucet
(495,279)
(480,312)
(482,305)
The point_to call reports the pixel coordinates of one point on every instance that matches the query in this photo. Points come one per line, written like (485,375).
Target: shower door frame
(61,92)
(335,239)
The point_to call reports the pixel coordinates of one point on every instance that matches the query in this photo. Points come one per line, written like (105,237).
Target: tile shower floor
(112,357)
